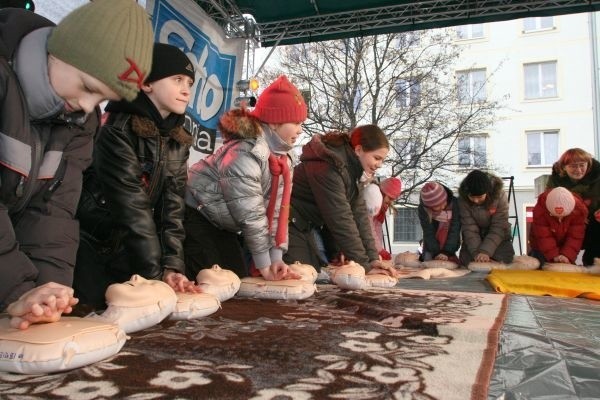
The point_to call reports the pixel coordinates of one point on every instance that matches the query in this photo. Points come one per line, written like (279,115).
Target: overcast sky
(55,10)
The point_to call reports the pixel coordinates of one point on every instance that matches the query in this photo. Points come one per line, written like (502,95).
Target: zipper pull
(20,187)
(52,188)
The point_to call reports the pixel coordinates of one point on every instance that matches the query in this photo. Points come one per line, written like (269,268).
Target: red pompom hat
(392,187)
(280,102)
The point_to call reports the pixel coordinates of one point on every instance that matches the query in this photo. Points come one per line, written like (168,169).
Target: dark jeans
(591,244)
(206,245)
(96,270)
(303,247)
(539,255)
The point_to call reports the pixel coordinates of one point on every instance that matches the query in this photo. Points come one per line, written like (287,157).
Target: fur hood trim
(238,123)
(146,128)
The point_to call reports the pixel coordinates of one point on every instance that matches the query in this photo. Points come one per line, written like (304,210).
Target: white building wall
(503,51)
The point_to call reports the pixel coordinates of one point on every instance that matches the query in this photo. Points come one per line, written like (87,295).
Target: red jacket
(553,237)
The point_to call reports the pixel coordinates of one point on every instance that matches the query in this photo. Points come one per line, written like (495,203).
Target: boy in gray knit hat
(53,78)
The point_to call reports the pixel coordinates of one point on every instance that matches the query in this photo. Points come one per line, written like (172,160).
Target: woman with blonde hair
(579,172)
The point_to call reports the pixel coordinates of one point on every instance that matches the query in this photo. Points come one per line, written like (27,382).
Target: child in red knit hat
(378,199)
(240,195)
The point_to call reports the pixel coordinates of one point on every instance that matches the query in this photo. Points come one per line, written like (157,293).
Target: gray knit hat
(110,40)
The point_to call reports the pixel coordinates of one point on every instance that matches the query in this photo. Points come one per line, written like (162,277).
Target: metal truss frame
(228,16)
(409,15)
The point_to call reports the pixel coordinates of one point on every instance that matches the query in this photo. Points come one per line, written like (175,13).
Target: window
(345,94)
(408,152)
(542,147)
(473,31)
(540,80)
(537,24)
(471,85)
(472,152)
(357,99)
(408,39)
(406,225)
(298,53)
(408,93)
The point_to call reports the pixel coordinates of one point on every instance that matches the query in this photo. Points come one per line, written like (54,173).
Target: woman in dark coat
(327,198)
(579,172)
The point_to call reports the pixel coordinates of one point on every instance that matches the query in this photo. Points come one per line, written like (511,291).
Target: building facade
(542,70)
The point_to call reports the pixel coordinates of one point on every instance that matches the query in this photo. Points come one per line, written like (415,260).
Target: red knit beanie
(433,194)
(280,102)
(391,187)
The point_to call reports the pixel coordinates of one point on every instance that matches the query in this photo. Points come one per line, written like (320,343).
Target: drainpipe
(595,82)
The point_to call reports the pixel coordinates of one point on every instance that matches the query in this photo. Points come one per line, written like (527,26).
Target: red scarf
(381,215)
(443,217)
(278,165)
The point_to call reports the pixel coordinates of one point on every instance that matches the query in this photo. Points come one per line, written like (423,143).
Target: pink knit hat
(560,202)
(433,194)
(280,102)
(391,187)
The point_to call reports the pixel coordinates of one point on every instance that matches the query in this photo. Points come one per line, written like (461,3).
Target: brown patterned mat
(368,344)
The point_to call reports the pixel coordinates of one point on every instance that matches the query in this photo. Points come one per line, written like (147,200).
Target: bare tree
(404,83)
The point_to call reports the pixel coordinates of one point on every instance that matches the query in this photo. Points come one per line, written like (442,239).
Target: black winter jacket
(41,164)
(132,199)
(588,188)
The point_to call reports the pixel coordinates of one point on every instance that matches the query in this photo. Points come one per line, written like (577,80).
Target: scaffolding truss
(516,227)
(366,19)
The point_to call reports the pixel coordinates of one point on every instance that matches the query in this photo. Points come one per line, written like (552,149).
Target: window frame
(408,39)
(468,30)
(540,79)
(542,133)
(403,223)
(414,148)
(469,74)
(538,24)
(472,153)
(408,95)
